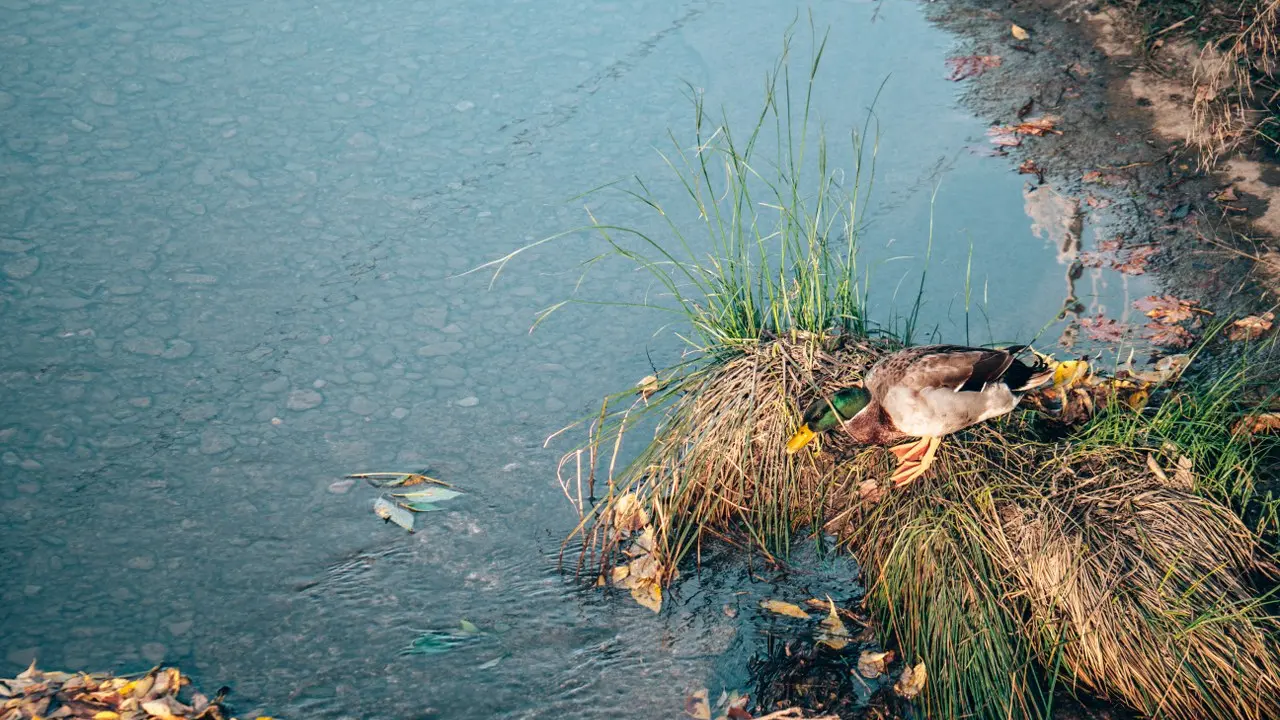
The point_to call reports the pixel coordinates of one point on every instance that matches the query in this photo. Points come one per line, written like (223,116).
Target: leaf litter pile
(1087,535)
(160,694)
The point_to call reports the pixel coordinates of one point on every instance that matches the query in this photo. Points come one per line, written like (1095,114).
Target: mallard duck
(924,392)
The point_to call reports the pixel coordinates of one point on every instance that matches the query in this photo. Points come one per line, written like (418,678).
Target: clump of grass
(1016,564)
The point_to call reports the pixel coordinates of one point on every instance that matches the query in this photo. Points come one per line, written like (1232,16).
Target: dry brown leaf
(1135,262)
(1258,424)
(1183,477)
(1174,336)
(872,664)
(647,386)
(696,705)
(1167,308)
(628,514)
(831,631)
(1104,329)
(1019,33)
(1250,328)
(1038,126)
(784,608)
(911,682)
(970,66)
(1004,136)
(648,593)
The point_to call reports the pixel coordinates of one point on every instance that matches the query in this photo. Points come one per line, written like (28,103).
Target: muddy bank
(1121,177)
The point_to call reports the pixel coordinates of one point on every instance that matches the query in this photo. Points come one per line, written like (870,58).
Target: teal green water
(229,236)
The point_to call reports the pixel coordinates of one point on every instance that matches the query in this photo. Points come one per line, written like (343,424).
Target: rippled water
(228,235)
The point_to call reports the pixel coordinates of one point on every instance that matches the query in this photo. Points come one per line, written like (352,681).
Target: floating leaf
(419,506)
(1249,328)
(1167,308)
(390,512)
(832,631)
(970,66)
(430,495)
(395,479)
(911,682)
(872,664)
(784,608)
(647,386)
(1104,329)
(490,664)
(438,642)
(648,592)
(1004,137)
(696,705)
(1019,33)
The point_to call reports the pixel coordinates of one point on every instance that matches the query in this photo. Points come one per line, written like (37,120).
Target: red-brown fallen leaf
(1228,195)
(1135,263)
(1029,167)
(1167,308)
(1038,126)
(1104,329)
(970,66)
(1257,424)
(1248,328)
(1004,137)
(1174,336)
(1094,259)
(1111,245)
(1092,176)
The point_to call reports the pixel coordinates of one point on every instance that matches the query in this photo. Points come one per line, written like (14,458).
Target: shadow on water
(229,236)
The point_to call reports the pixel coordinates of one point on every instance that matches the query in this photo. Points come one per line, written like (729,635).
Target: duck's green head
(827,414)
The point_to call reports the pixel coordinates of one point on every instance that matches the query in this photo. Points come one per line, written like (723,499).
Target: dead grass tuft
(1235,83)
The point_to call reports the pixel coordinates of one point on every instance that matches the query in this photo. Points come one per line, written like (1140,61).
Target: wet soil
(1120,167)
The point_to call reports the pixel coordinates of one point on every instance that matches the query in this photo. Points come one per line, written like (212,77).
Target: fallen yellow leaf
(912,681)
(1137,400)
(106,715)
(832,631)
(784,608)
(696,705)
(1019,33)
(648,593)
(872,664)
(1069,372)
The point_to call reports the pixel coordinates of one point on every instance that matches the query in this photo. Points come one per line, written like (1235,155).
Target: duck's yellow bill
(802,437)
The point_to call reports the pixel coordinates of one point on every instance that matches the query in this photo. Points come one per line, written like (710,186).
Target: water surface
(229,236)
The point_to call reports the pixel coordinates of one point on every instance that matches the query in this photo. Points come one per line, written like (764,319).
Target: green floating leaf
(436,642)
(429,495)
(420,507)
(390,512)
